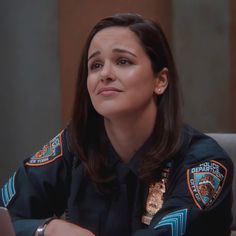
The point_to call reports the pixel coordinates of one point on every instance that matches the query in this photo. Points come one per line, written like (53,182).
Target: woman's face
(120,77)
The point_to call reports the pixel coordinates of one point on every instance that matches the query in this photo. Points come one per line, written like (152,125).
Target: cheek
(141,82)
(90,85)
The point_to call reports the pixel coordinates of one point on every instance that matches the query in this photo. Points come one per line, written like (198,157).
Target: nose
(107,73)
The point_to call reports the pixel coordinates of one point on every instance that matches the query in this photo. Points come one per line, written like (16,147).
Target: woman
(126,164)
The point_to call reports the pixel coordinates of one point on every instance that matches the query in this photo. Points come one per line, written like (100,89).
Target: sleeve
(40,187)
(198,200)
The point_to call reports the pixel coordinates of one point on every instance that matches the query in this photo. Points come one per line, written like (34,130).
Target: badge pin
(154,201)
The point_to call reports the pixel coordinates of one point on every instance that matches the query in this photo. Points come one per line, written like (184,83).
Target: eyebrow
(123,51)
(94,54)
(114,50)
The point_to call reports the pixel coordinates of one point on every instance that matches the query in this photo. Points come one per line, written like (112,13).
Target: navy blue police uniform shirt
(197,200)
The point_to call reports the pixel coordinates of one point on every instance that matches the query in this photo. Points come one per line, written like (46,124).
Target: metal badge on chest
(155,196)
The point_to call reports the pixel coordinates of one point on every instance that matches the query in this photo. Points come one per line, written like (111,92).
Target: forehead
(115,37)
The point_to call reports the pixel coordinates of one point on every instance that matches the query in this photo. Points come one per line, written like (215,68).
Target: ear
(161,81)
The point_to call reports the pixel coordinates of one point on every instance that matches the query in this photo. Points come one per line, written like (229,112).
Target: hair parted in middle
(87,129)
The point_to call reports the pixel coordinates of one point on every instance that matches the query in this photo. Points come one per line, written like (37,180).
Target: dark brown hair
(87,125)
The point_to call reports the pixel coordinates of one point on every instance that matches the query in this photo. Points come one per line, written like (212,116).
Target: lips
(108,90)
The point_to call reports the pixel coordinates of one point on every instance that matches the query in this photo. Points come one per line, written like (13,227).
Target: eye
(123,61)
(95,66)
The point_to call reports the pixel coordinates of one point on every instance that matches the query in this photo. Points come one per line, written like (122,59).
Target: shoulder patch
(176,221)
(8,190)
(205,182)
(49,153)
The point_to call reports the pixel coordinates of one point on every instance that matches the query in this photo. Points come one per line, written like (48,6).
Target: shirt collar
(134,163)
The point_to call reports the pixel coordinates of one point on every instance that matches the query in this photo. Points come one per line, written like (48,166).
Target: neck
(128,134)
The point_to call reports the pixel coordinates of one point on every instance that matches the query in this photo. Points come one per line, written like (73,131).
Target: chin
(108,111)
(108,114)
(115,113)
